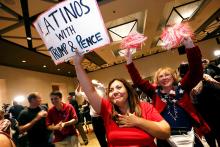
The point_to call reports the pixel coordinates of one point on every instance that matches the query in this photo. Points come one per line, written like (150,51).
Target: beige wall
(208,47)
(15,81)
(3,91)
(22,82)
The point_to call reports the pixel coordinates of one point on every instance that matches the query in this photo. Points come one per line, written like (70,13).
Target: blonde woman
(171,97)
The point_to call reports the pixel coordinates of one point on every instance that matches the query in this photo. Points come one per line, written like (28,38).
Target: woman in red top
(171,97)
(128,122)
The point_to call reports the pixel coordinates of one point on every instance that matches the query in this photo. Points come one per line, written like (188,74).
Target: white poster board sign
(69,25)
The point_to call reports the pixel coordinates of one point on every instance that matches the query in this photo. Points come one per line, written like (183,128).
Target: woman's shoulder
(106,106)
(145,104)
(106,102)
(5,140)
(149,112)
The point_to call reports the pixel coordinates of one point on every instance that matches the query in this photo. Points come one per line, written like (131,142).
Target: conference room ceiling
(22,47)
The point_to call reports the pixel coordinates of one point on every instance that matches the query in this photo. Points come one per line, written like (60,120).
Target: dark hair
(133,101)
(56,93)
(183,69)
(72,93)
(32,96)
(2,114)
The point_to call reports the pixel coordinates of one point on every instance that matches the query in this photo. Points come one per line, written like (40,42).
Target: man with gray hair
(33,121)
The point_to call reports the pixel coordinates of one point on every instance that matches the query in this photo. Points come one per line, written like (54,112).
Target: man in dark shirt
(15,110)
(33,121)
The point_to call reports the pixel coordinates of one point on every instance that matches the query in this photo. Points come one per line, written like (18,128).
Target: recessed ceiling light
(28,38)
(19,98)
(44,66)
(23,61)
(217,53)
(58,69)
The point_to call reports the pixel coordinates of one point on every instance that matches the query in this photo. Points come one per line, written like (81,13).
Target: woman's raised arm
(85,82)
(138,81)
(195,73)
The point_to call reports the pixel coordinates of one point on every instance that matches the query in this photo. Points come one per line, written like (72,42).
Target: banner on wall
(71,25)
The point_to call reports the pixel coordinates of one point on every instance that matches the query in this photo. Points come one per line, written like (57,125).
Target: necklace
(171,99)
(175,115)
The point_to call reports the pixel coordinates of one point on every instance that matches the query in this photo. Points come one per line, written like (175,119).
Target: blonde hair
(166,69)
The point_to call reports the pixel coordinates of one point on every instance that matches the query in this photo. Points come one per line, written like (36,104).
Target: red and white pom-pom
(173,36)
(133,40)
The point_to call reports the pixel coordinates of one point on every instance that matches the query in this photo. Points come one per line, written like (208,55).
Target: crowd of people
(173,113)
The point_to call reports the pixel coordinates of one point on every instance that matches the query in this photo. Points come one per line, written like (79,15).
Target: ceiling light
(23,61)
(69,72)
(58,69)
(28,38)
(19,98)
(217,53)
(183,12)
(120,31)
(44,66)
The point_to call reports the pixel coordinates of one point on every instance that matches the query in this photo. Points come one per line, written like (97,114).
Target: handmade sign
(71,25)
